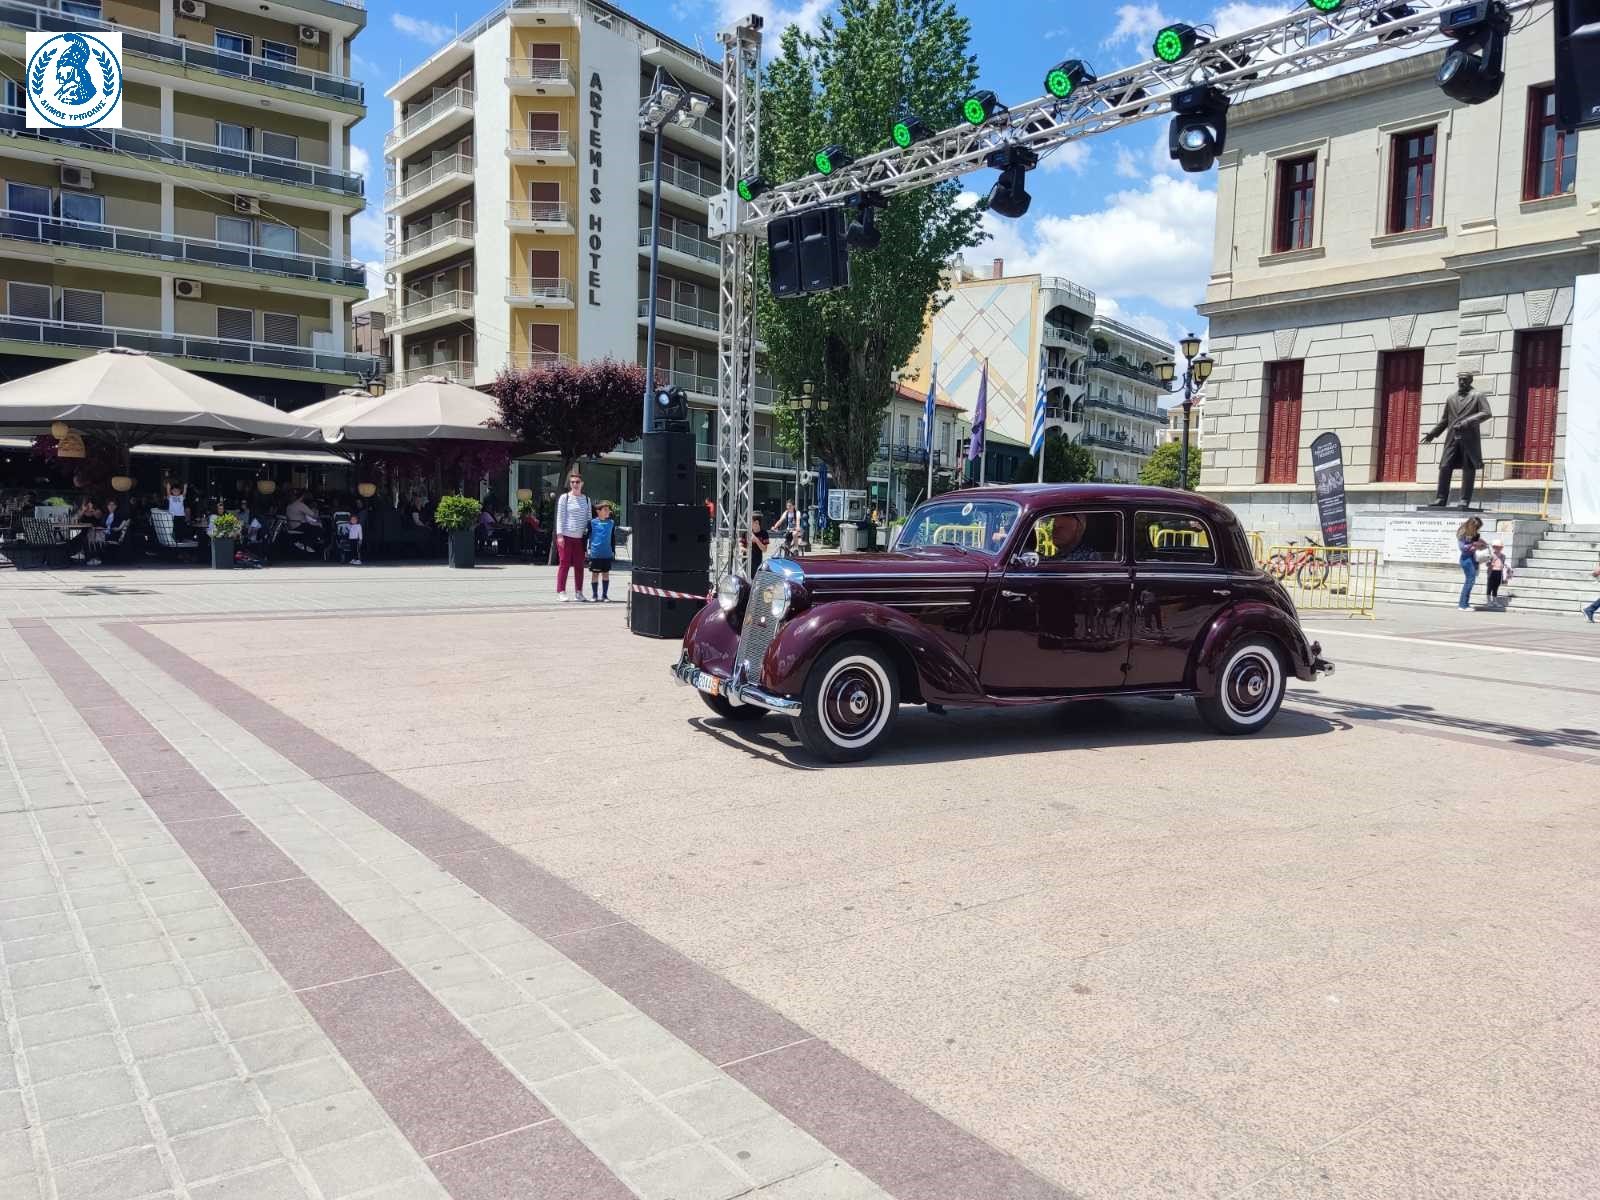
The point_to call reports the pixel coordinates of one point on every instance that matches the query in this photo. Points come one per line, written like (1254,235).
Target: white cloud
(1136,23)
(1237,17)
(375,284)
(430,32)
(778,16)
(1071,156)
(367,234)
(360,160)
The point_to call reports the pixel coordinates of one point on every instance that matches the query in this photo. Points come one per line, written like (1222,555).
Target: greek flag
(1036,443)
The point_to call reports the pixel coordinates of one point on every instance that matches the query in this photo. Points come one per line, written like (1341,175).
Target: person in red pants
(573,513)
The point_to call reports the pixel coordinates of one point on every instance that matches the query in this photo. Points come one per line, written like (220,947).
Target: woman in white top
(573,513)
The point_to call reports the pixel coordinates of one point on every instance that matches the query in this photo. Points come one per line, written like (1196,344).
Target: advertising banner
(1327,469)
(1581,470)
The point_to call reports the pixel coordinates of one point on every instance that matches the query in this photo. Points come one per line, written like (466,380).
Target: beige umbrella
(132,397)
(432,409)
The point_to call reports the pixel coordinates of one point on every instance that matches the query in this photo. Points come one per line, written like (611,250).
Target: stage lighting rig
(1199,131)
(1009,195)
(1067,77)
(1475,67)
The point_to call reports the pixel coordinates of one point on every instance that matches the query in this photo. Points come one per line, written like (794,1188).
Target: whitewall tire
(1249,688)
(851,697)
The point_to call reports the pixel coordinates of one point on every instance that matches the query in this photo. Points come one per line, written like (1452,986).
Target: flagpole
(983,450)
(927,423)
(1038,420)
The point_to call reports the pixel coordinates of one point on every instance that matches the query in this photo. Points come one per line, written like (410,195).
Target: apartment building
(1100,380)
(213,228)
(518,205)
(1173,432)
(1373,237)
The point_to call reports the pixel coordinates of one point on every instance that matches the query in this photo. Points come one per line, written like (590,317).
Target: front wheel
(737,714)
(849,704)
(1313,573)
(1249,689)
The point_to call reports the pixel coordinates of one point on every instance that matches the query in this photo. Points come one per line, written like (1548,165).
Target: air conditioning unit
(195,10)
(77,177)
(310,35)
(186,289)
(247,204)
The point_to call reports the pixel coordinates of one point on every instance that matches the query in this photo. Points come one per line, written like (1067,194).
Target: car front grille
(759,627)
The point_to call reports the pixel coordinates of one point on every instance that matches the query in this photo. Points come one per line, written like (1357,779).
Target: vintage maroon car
(1001,596)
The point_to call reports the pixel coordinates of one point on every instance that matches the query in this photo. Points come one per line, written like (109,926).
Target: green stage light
(908,129)
(1176,41)
(1326,5)
(831,158)
(980,106)
(749,189)
(1067,77)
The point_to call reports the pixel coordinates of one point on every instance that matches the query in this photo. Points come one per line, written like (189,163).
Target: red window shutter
(1538,387)
(1284,380)
(1401,416)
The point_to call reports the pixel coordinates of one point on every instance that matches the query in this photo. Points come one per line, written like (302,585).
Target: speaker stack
(671,540)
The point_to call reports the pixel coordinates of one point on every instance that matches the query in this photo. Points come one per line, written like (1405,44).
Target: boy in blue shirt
(602,550)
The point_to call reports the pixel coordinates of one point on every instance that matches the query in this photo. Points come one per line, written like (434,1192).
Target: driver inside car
(1060,539)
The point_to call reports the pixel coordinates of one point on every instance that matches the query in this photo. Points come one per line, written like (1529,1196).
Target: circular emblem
(74,80)
(766,595)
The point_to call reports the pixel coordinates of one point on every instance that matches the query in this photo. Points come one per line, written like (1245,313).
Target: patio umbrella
(432,409)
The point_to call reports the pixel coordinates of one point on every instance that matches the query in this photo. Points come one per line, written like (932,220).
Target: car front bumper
(1319,665)
(733,690)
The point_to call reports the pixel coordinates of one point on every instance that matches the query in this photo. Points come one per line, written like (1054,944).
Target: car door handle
(1005,595)
(1222,591)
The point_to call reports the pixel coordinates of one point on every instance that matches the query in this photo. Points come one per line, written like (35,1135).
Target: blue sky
(1112,213)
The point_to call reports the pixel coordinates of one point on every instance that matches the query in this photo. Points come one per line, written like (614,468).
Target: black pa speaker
(783,256)
(824,253)
(671,537)
(669,467)
(662,603)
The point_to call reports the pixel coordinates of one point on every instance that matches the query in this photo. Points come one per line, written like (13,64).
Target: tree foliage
(577,410)
(846,83)
(1161,468)
(1064,462)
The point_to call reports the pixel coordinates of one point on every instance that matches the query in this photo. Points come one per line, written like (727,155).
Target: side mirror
(1028,559)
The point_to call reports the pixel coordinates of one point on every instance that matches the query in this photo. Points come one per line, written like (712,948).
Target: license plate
(709,684)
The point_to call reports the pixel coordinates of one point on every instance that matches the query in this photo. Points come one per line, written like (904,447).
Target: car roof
(1034,496)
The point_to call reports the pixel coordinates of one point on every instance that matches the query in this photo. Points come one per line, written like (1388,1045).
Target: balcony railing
(456,164)
(680,177)
(535,287)
(538,211)
(1105,362)
(52,231)
(706,385)
(903,454)
(429,113)
(684,243)
(456,370)
(706,126)
(538,70)
(1062,333)
(1143,414)
(671,310)
(539,141)
(178,345)
(432,306)
(1113,442)
(182,152)
(188,54)
(1055,283)
(536,360)
(439,234)
(772,460)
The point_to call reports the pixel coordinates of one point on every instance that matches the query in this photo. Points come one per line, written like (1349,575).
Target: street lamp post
(807,401)
(1196,371)
(668,100)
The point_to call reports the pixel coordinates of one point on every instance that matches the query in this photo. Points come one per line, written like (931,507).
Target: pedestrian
(1499,572)
(1591,609)
(1469,543)
(602,552)
(350,539)
(788,524)
(759,540)
(573,514)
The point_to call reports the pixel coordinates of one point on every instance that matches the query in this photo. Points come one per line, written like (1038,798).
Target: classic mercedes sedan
(1006,596)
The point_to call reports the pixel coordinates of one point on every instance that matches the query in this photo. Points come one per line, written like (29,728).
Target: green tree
(1161,468)
(1064,462)
(845,84)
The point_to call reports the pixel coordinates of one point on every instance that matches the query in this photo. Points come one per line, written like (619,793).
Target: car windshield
(980,525)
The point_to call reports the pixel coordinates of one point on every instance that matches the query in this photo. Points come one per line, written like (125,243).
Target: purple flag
(979,415)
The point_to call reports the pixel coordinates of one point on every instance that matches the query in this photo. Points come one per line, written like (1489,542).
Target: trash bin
(849,538)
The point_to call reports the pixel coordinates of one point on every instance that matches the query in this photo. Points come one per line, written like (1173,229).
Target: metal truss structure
(1280,53)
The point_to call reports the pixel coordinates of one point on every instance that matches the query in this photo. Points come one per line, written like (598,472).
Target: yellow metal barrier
(970,536)
(1326,578)
(1538,476)
(1193,539)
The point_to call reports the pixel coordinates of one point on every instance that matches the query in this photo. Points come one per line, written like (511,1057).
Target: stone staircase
(1554,577)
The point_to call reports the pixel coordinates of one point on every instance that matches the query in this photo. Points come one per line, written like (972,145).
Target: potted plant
(225,530)
(457,515)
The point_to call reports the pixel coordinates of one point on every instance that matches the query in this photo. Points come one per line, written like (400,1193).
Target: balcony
(1153,416)
(1120,443)
(1056,332)
(201,352)
(433,245)
(539,76)
(699,133)
(189,55)
(537,216)
(455,370)
(448,111)
(706,385)
(693,186)
(131,143)
(430,311)
(702,319)
(684,249)
(1055,283)
(540,147)
(421,188)
(539,12)
(533,291)
(536,360)
(1113,366)
(114,239)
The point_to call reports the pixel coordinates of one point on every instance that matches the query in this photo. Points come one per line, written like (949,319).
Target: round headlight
(782,593)
(730,589)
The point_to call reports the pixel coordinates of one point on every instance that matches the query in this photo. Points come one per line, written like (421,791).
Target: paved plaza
(405,882)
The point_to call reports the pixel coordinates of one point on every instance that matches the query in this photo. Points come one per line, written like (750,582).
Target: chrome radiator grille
(759,627)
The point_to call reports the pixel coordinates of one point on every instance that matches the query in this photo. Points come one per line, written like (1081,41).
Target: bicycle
(1308,565)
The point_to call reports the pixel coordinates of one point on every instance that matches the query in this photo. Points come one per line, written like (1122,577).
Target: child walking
(351,549)
(1499,571)
(602,551)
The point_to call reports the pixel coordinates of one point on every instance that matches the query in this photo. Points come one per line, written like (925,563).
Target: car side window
(1074,537)
(1160,537)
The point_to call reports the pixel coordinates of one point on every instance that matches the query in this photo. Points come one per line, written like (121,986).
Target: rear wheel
(1313,573)
(1249,688)
(738,714)
(849,704)
(1278,565)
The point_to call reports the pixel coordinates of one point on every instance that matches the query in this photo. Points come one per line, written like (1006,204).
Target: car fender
(1249,616)
(937,670)
(711,641)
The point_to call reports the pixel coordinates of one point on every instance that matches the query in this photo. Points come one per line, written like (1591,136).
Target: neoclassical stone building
(1373,236)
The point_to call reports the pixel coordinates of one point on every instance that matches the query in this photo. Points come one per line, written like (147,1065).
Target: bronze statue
(1464,412)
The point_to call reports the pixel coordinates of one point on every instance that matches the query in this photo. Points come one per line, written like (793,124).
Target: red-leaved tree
(577,410)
